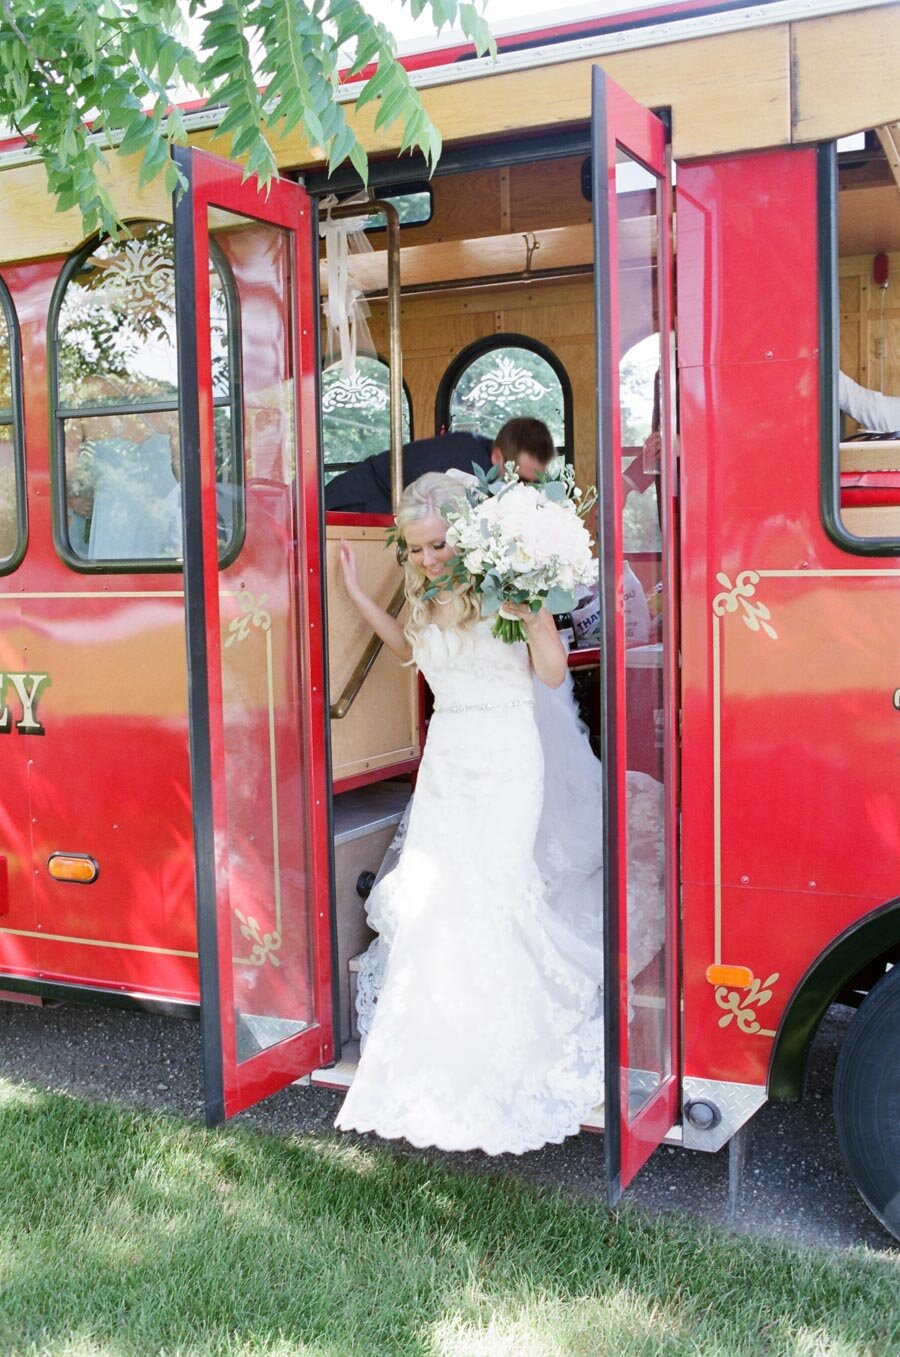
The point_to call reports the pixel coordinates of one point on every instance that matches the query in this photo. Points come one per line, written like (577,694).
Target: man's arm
(869,408)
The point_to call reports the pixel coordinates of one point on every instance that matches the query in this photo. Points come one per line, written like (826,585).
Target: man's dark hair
(526,435)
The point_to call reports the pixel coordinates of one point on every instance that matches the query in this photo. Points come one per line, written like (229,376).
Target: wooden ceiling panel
(869,220)
(521,198)
(561,248)
(482,257)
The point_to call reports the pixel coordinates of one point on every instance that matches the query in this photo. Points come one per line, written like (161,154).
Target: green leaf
(175,181)
(98,61)
(414,129)
(167,61)
(154,160)
(368,47)
(236,118)
(261,162)
(560,600)
(554,490)
(392,107)
(476,29)
(360,162)
(443,12)
(341,146)
(139,133)
(65,201)
(377,84)
(176,129)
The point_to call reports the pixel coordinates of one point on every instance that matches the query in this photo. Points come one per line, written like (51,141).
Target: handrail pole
(339,709)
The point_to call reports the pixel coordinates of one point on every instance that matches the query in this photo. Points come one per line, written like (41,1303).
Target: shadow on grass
(128,1233)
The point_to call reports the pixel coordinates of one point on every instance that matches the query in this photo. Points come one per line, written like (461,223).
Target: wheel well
(850,964)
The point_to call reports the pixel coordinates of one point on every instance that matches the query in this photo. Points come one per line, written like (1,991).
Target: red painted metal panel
(388,770)
(109,775)
(747,257)
(333,518)
(790,828)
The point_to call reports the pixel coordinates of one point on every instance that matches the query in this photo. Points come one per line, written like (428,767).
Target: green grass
(129,1233)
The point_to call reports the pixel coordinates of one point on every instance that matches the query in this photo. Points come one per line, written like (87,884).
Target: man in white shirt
(869,408)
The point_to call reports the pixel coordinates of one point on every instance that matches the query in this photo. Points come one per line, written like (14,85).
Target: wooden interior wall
(436,327)
(870,324)
(381,727)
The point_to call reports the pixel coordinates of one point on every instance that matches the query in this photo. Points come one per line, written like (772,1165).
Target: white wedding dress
(479,1001)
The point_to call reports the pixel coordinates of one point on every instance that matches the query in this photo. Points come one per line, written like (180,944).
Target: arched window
(505,377)
(356,413)
(114,368)
(13,519)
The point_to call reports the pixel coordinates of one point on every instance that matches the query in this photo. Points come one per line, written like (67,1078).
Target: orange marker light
(73,867)
(735,977)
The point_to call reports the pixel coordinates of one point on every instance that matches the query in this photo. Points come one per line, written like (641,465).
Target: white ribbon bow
(345,306)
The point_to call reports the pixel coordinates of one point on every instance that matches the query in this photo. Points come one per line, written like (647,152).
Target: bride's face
(427,545)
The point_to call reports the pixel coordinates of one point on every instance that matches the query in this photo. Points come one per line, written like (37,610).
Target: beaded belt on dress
(485,706)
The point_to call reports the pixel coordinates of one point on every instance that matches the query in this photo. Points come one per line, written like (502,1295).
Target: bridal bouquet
(521,543)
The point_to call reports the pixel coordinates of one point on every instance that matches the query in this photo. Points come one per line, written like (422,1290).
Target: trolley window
(13,520)
(414,204)
(356,413)
(114,372)
(502,378)
(860,254)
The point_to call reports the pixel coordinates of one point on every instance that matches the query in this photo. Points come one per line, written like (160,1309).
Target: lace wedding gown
(479,1001)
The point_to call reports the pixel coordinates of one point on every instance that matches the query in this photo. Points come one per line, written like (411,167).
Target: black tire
(867,1100)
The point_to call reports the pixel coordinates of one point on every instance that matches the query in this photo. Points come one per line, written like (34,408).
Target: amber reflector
(72,867)
(735,977)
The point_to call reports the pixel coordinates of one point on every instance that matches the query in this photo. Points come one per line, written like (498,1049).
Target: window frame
(17,424)
(507,340)
(337,469)
(829,360)
(59,414)
(403,190)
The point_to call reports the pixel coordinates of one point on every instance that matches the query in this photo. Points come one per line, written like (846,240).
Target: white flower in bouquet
(523,543)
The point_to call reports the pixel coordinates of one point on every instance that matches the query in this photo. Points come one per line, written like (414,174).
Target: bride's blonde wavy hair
(429,496)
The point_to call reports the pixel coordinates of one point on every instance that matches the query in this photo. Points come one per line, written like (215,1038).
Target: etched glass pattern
(504,383)
(356,413)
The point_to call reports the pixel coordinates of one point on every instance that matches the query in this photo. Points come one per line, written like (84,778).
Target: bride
(481,994)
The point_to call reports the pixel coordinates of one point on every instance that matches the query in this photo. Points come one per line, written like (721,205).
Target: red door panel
(254,627)
(632,244)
